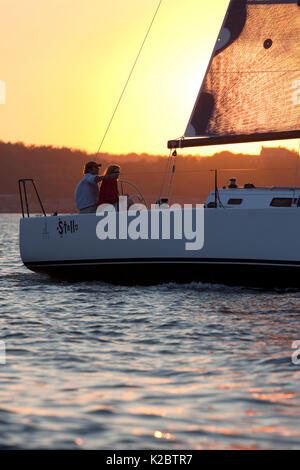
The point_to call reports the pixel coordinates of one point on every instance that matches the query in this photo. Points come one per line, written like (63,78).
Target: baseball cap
(91,164)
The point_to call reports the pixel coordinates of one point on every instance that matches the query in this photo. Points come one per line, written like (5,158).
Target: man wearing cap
(87,191)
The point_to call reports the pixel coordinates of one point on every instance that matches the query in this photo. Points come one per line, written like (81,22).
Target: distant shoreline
(57,171)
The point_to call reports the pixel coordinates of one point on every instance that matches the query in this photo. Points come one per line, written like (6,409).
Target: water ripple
(194,366)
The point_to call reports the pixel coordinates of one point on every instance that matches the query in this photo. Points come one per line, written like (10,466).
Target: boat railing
(23,196)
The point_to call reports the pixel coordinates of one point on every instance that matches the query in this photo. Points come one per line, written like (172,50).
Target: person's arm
(99,178)
(96,178)
(104,177)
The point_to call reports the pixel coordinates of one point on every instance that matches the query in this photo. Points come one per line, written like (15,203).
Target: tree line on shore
(58,170)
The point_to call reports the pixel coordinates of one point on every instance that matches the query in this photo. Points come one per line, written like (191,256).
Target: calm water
(94,366)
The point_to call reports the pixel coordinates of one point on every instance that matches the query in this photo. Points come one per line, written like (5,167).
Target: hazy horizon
(58,170)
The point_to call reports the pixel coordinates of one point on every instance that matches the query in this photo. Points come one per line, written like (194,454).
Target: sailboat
(250,235)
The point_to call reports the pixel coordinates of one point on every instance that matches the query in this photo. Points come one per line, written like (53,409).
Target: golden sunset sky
(65,62)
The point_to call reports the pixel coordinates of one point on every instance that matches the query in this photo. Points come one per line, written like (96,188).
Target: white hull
(241,246)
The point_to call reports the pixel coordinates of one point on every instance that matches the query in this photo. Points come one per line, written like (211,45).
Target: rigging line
(129,76)
(166,173)
(205,170)
(172,176)
(297,168)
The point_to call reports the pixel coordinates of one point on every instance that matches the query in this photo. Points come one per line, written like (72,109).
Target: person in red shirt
(109,193)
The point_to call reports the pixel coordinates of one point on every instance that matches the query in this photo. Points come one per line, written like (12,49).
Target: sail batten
(251,90)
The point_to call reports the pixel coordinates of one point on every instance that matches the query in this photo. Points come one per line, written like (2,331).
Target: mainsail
(251,89)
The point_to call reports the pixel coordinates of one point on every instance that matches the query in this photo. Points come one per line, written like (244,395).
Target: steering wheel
(137,193)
